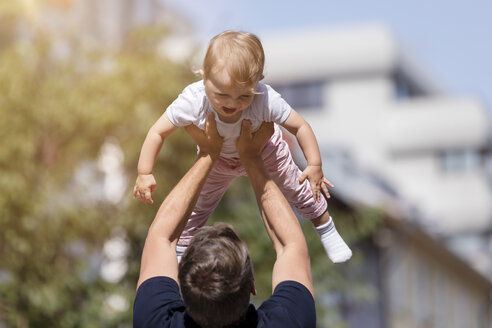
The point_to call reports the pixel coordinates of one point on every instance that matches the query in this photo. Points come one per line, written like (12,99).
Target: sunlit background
(399,94)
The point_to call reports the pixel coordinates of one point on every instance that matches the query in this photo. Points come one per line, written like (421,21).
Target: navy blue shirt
(159,304)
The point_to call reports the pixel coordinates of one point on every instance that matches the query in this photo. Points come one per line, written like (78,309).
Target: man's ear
(253,288)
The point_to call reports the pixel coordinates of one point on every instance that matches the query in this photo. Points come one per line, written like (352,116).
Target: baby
(231,89)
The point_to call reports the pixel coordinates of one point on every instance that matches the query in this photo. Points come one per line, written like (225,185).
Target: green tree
(55,117)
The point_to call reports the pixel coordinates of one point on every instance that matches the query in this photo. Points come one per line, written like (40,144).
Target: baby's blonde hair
(242,55)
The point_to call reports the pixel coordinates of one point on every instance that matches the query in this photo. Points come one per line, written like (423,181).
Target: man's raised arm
(159,253)
(280,221)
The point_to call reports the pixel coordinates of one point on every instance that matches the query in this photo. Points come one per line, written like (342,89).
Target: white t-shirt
(192,107)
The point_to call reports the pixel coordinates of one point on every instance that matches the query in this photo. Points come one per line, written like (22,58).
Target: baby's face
(227,99)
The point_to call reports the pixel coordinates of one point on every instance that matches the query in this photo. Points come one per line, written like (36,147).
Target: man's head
(216,277)
(232,68)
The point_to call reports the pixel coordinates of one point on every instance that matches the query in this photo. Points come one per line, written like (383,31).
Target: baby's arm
(296,125)
(145,183)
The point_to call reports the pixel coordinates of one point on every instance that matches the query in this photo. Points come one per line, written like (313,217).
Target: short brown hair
(216,276)
(240,52)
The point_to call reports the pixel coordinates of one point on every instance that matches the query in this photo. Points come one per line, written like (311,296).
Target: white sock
(335,247)
(180,251)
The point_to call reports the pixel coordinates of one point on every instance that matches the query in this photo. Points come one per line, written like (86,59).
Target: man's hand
(144,186)
(209,141)
(318,182)
(250,144)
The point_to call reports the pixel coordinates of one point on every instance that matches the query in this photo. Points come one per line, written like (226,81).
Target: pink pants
(280,167)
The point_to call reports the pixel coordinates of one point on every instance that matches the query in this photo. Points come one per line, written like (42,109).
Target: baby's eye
(222,95)
(245,96)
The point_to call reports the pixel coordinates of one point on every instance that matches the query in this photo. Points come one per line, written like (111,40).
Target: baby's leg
(282,169)
(221,175)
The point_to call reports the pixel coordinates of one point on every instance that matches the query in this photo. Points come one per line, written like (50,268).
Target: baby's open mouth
(228,110)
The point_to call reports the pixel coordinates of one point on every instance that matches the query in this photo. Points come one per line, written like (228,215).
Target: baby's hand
(144,186)
(314,174)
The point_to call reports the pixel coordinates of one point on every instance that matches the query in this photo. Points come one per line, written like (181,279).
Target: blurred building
(418,281)
(373,109)
(391,138)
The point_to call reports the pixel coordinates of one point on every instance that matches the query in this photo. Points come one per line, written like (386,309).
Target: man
(215,273)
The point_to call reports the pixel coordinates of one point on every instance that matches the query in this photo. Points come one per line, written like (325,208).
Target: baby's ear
(198,72)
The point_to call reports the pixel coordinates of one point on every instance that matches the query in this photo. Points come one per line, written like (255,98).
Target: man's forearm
(178,205)
(282,226)
(281,223)
(159,254)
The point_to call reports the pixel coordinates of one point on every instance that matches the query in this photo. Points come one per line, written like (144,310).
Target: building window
(461,160)
(488,165)
(303,95)
(405,87)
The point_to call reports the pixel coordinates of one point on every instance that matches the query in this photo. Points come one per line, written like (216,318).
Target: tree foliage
(56,114)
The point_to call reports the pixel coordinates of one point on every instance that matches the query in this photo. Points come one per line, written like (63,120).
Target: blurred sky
(450,39)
